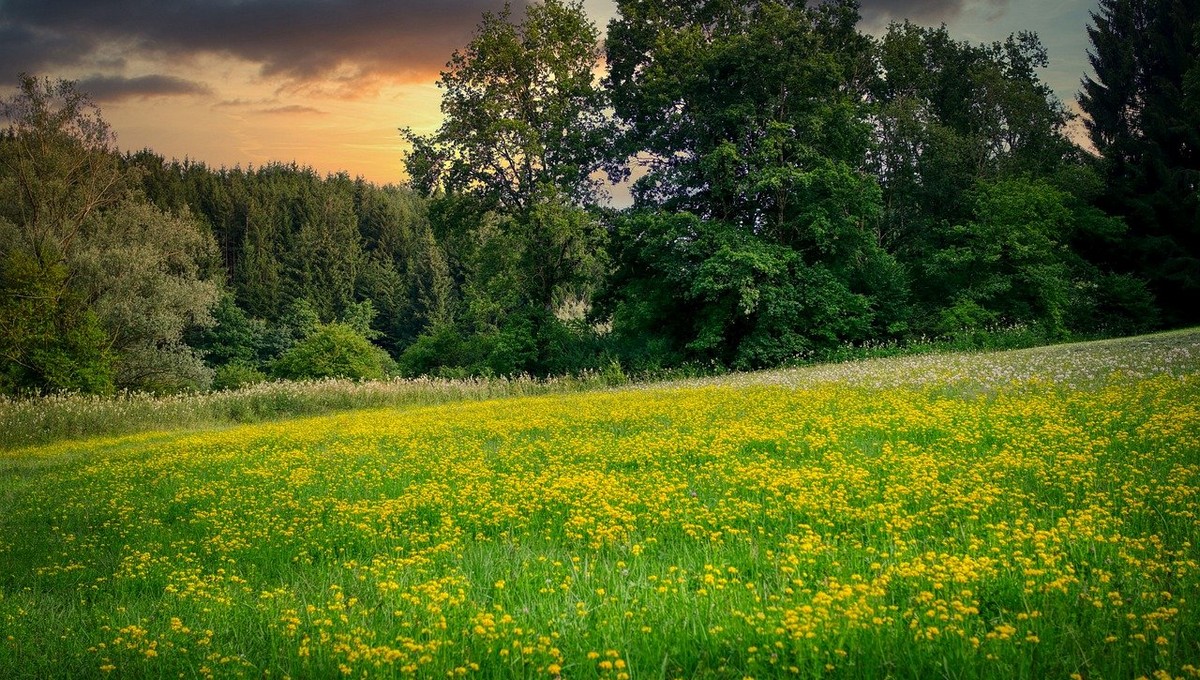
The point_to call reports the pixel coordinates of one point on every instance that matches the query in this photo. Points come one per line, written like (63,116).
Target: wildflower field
(1027,514)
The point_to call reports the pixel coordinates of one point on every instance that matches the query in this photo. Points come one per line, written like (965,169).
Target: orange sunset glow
(327,84)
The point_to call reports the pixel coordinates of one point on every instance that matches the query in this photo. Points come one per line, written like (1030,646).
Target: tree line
(797,186)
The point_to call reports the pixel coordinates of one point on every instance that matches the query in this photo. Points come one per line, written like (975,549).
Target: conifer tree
(1144,54)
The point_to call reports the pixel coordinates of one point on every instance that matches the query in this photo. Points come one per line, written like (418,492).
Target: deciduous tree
(523,109)
(98,287)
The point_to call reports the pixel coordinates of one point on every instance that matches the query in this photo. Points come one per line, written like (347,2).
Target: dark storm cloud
(298,39)
(880,12)
(116,88)
(26,50)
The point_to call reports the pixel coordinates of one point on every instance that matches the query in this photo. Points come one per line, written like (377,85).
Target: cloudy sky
(326,83)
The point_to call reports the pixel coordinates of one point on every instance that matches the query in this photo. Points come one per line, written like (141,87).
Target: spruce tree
(1144,54)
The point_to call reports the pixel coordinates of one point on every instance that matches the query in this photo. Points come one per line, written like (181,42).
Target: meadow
(1024,514)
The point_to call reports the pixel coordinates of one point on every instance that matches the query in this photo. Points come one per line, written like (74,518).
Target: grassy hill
(1022,514)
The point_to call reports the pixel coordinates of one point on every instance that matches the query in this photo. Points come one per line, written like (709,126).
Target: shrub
(439,347)
(236,375)
(334,350)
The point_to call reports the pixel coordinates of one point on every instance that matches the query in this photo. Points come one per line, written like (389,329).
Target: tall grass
(25,422)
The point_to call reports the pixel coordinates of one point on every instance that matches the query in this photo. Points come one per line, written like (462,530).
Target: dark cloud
(296,39)
(116,88)
(355,41)
(24,49)
(878,13)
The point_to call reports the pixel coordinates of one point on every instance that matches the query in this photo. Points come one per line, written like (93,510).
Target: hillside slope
(1025,514)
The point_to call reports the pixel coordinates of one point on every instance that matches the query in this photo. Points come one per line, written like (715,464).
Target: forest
(798,186)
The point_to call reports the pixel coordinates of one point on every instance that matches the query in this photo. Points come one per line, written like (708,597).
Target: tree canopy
(798,186)
(98,286)
(523,111)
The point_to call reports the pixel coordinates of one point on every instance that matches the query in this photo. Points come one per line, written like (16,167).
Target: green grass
(1022,514)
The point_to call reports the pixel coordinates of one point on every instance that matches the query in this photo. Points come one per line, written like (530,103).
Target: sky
(327,83)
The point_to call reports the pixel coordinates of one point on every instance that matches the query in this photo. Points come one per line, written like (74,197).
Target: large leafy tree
(514,169)
(1144,122)
(949,114)
(149,276)
(957,126)
(56,173)
(979,178)
(740,110)
(749,117)
(98,287)
(57,169)
(523,109)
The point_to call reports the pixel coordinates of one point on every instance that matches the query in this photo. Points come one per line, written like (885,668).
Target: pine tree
(1144,54)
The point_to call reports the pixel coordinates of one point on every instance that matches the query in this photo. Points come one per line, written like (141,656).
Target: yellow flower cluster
(1031,528)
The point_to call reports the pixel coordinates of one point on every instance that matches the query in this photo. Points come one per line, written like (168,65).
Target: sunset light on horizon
(328,84)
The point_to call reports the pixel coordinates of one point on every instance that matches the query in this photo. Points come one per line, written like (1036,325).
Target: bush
(1120,305)
(439,347)
(236,375)
(572,346)
(233,338)
(334,350)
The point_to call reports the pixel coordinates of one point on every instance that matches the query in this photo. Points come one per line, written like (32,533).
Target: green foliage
(1142,118)
(360,316)
(510,349)
(523,344)
(99,286)
(708,291)
(529,343)
(771,253)
(576,347)
(334,350)
(952,114)
(288,236)
(440,348)
(56,173)
(298,321)
(1009,263)
(1114,305)
(532,262)
(236,375)
(49,340)
(406,275)
(524,132)
(786,118)
(149,276)
(325,253)
(522,111)
(57,169)
(300,239)
(234,337)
